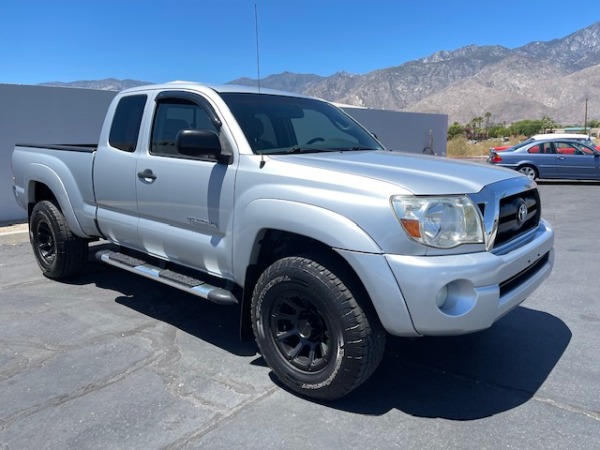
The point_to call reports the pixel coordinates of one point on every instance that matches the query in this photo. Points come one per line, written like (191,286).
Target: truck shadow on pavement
(458,378)
(215,324)
(465,377)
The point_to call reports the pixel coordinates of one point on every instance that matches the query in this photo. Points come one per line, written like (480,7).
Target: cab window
(127,120)
(172,116)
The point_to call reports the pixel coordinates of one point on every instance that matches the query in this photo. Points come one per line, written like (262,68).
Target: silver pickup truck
(285,206)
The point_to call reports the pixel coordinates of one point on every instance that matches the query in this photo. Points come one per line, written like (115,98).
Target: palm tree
(487,116)
(476,121)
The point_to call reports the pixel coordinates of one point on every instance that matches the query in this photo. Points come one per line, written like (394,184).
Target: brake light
(495,158)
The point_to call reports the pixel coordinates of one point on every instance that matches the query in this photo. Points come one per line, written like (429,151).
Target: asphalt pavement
(110,360)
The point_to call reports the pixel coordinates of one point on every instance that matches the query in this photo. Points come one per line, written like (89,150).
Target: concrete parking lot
(109,360)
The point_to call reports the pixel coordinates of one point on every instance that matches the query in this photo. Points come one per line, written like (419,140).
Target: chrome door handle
(147,175)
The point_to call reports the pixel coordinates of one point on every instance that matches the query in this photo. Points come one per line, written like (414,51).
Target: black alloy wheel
(314,328)
(59,253)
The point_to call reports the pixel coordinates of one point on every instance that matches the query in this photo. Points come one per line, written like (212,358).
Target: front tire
(59,253)
(321,339)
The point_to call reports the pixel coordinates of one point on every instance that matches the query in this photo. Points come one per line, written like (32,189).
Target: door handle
(562,158)
(147,175)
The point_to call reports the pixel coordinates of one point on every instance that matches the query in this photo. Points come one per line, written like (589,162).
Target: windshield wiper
(300,149)
(362,148)
(311,149)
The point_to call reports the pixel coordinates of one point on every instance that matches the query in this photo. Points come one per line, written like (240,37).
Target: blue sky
(214,40)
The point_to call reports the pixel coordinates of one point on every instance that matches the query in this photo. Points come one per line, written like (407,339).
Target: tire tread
(71,250)
(364,335)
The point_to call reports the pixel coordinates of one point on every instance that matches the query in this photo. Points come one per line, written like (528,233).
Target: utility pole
(585,119)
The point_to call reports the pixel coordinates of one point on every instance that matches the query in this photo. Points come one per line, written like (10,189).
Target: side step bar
(174,279)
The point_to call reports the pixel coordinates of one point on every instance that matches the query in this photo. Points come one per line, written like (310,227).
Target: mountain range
(552,79)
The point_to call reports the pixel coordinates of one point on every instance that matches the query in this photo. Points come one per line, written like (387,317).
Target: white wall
(54,115)
(44,115)
(405,131)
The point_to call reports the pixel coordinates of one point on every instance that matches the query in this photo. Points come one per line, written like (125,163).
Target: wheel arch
(268,229)
(45,184)
(38,192)
(273,244)
(262,217)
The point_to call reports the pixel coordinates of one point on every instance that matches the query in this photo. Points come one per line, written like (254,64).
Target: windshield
(280,124)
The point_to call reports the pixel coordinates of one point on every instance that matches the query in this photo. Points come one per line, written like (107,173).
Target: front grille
(510,223)
(520,278)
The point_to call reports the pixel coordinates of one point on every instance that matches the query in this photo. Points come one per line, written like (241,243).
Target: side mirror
(201,144)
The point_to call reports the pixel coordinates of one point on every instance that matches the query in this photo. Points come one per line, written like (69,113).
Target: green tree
(548,124)
(498,131)
(526,127)
(456,129)
(593,123)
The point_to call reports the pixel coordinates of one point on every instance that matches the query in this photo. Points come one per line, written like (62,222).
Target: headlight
(441,222)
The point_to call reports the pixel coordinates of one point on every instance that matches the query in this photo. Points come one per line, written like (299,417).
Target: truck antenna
(262,157)
(257,46)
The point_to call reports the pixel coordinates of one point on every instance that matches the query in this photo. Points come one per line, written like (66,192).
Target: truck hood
(419,174)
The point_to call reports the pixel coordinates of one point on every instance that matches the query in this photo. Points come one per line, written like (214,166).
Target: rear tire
(529,171)
(312,330)
(59,253)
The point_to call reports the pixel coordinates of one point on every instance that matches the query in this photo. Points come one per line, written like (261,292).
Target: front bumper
(476,288)
(458,294)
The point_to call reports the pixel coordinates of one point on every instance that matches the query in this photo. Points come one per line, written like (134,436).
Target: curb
(15,234)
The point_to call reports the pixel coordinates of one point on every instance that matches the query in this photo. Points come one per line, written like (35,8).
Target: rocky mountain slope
(108,84)
(550,79)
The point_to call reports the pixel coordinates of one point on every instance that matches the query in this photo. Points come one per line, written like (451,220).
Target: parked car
(556,158)
(537,137)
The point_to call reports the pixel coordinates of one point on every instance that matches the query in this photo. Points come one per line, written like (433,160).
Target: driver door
(185,204)
(576,161)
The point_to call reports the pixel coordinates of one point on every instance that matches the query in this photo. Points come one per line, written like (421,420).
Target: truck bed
(66,169)
(85,148)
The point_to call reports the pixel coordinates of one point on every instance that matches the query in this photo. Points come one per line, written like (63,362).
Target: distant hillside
(108,84)
(539,79)
(286,81)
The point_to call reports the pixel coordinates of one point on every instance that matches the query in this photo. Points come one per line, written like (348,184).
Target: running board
(171,278)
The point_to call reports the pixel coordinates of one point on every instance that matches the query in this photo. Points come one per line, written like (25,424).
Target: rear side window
(545,147)
(125,128)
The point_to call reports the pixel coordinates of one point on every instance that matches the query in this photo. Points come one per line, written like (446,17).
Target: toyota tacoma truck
(285,207)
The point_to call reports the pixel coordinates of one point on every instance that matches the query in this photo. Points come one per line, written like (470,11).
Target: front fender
(323,225)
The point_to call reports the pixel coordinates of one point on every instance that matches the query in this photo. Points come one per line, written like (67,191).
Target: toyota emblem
(522,213)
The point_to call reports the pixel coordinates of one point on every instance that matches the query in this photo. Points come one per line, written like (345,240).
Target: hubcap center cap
(305,328)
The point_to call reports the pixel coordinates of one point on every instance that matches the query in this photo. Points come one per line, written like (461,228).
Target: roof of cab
(223,88)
